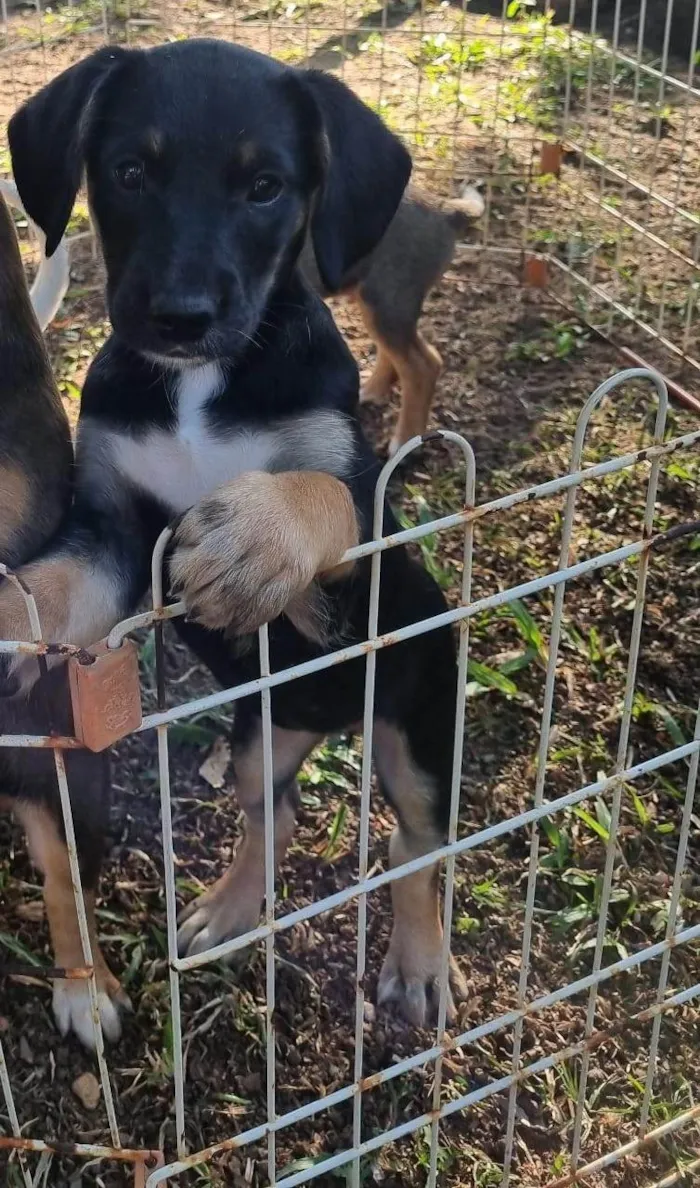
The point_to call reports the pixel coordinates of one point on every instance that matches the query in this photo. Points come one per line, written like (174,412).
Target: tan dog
(390,287)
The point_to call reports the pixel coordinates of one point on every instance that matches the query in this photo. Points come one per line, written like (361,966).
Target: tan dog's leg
(78,603)
(382,379)
(71,1001)
(402,353)
(233,905)
(411,971)
(418,365)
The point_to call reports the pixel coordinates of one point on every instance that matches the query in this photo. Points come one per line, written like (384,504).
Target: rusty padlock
(105,694)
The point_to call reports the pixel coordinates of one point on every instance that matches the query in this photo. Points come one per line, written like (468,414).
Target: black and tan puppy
(227,400)
(36,464)
(390,287)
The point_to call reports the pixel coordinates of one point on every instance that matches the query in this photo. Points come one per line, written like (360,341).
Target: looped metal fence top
(647,462)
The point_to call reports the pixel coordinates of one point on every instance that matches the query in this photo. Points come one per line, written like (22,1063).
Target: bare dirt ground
(518,368)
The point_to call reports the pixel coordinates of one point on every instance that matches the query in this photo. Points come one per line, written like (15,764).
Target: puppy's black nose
(183,319)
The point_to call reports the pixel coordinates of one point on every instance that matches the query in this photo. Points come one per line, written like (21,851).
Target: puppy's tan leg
(418,365)
(411,971)
(382,379)
(78,603)
(71,1001)
(384,376)
(233,905)
(403,353)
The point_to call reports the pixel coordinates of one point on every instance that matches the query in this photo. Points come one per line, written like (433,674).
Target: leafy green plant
(558,340)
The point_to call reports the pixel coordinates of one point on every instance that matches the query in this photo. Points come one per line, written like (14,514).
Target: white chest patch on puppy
(181,465)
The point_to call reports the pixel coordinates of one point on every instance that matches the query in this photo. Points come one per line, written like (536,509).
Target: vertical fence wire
(85,943)
(605,151)
(654,162)
(671,926)
(12,1116)
(545,732)
(74,868)
(453,825)
(363,836)
(679,165)
(611,847)
(630,145)
(168,853)
(269,844)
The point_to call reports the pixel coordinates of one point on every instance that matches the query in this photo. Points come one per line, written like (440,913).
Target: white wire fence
(584,138)
(647,464)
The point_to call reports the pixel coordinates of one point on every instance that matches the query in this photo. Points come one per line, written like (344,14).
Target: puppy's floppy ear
(366,171)
(47,141)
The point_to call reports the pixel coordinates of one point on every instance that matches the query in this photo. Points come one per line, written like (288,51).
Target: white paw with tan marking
(73,1012)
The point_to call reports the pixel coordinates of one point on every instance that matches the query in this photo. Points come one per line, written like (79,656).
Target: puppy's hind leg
(385,375)
(232,906)
(377,388)
(418,365)
(403,354)
(418,790)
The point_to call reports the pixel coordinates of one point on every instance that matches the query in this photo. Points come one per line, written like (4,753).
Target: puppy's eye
(130,174)
(265,189)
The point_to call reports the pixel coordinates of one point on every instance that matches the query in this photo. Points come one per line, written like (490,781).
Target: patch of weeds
(336,833)
(582,912)
(447,1156)
(556,340)
(292,10)
(290,54)
(439,56)
(372,44)
(200,731)
(438,567)
(643,709)
(467,925)
(18,950)
(547,64)
(592,647)
(484,677)
(559,856)
(335,763)
(387,110)
(488,894)
(75,349)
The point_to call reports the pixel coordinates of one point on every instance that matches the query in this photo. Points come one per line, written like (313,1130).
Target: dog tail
(462,212)
(35,446)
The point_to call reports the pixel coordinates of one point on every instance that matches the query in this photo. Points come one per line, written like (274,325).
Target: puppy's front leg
(252,550)
(78,602)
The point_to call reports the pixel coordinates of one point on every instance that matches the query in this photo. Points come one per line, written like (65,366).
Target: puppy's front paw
(240,557)
(249,551)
